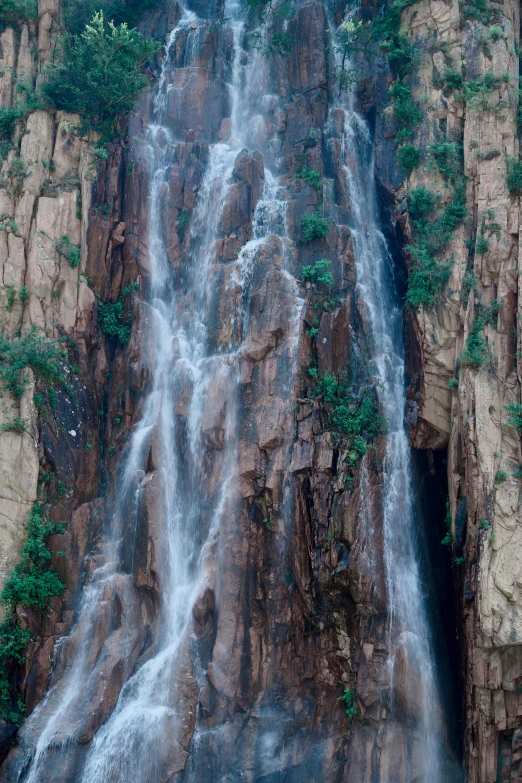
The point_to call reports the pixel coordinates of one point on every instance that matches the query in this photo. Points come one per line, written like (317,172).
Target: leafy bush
(407,114)
(312,177)
(480,11)
(314,226)
(476,348)
(447,156)
(348,697)
(32,584)
(482,245)
(426,277)
(43,355)
(408,157)
(78,14)
(514,176)
(8,118)
(13,11)
(421,202)
(514,410)
(452,79)
(318,273)
(453,383)
(100,75)
(68,251)
(111,320)
(478,92)
(500,477)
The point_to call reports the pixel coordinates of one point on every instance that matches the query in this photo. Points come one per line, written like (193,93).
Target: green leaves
(318,273)
(100,74)
(111,320)
(43,355)
(314,227)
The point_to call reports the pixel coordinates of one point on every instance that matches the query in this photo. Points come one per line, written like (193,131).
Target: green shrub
(24,293)
(318,273)
(68,251)
(407,114)
(421,202)
(447,156)
(17,425)
(111,320)
(478,92)
(348,697)
(99,76)
(484,524)
(482,245)
(408,157)
(8,118)
(475,350)
(514,410)
(13,11)
(312,177)
(514,176)
(43,355)
(500,477)
(314,226)
(453,383)
(78,14)
(328,387)
(452,79)
(426,277)
(480,11)
(32,585)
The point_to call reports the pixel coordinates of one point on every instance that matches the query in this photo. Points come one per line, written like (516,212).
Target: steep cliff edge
(294,615)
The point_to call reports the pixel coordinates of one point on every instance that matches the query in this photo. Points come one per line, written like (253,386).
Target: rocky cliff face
(294,608)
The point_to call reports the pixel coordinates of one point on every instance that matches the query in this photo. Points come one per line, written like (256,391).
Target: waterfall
(137,661)
(411,656)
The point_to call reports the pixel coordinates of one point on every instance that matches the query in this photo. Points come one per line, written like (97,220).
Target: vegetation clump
(14,11)
(314,226)
(43,355)
(514,176)
(514,410)
(32,585)
(348,698)
(100,74)
(408,157)
(318,273)
(112,324)
(69,251)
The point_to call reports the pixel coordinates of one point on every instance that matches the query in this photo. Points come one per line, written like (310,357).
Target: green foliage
(447,156)
(426,277)
(328,387)
(408,157)
(318,273)
(279,44)
(482,245)
(459,561)
(68,251)
(314,226)
(78,13)
(347,698)
(24,293)
(514,410)
(134,286)
(421,203)
(17,425)
(500,477)
(407,114)
(183,219)
(111,320)
(8,118)
(43,355)
(484,524)
(11,296)
(312,177)
(476,348)
(448,538)
(479,11)
(478,92)
(453,383)
(32,584)
(99,75)
(452,79)
(427,274)
(514,176)
(14,11)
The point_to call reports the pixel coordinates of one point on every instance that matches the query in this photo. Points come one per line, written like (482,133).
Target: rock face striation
(227,611)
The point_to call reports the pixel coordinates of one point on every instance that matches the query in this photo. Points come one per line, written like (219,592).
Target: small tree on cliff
(100,74)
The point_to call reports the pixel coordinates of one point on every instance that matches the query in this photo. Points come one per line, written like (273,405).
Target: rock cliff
(294,614)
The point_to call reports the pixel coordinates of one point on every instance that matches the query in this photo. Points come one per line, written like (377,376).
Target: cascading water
(411,656)
(131,698)
(139,740)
